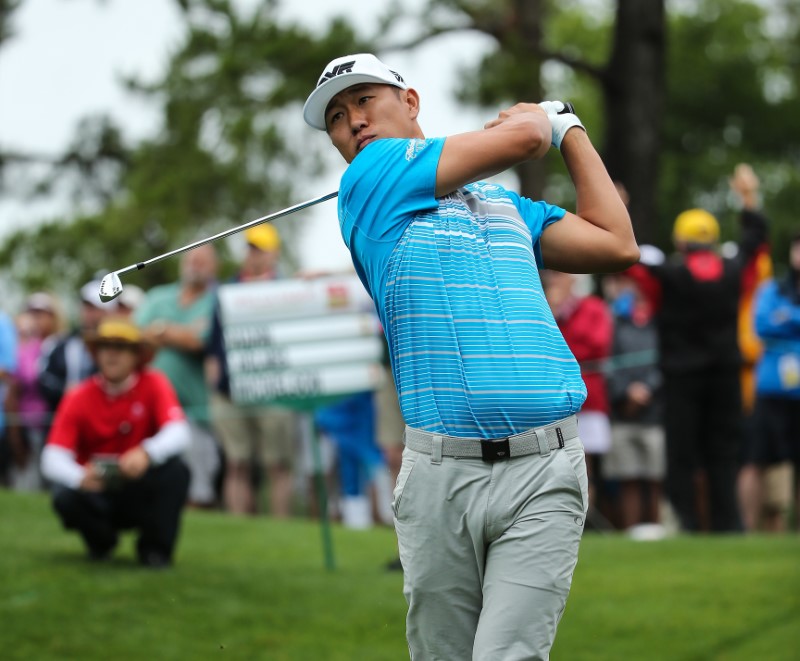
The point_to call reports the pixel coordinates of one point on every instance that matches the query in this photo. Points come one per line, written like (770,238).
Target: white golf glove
(560,121)
(650,255)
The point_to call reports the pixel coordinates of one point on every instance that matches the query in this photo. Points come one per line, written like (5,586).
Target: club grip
(568,108)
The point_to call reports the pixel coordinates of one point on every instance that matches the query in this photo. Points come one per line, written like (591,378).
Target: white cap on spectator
(41,302)
(131,297)
(90,293)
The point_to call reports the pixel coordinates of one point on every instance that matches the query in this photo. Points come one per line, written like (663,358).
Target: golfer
(492,493)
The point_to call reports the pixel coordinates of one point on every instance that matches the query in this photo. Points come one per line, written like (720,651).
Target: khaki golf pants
(488,551)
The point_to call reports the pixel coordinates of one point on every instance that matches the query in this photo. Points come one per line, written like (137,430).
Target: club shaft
(258,221)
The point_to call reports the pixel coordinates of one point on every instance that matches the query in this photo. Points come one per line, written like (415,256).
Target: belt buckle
(495,450)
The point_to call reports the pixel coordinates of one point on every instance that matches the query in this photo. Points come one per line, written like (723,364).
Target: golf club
(111,285)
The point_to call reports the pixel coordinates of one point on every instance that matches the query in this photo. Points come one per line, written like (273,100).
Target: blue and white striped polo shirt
(474,348)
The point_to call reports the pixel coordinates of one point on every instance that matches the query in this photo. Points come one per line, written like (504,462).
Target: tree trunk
(634,88)
(528,16)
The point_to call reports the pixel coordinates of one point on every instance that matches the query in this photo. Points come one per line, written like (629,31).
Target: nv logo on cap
(344,67)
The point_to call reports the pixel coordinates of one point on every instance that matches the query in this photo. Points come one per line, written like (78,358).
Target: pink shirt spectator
(32,406)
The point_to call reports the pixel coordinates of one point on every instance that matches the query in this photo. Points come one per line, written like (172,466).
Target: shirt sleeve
(59,466)
(385,187)
(755,233)
(166,407)
(169,441)
(65,430)
(538,216)
(173,433)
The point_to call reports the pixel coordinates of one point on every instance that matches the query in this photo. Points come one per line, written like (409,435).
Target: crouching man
(113,450)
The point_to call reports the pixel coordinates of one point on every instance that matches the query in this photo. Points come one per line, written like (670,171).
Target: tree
(733,95)
(624,58)
(634,90)
(224,153)
(676,100)
(7,9)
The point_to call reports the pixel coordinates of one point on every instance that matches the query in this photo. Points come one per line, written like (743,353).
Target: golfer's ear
(411,99)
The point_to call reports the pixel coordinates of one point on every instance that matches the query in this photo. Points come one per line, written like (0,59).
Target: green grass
(258,589)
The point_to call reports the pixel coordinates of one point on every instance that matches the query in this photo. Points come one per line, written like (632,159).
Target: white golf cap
(90,293)
(131,297)
(344,72)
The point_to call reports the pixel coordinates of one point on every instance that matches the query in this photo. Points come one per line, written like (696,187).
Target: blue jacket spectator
(8,358)
(777,411)
(777,318)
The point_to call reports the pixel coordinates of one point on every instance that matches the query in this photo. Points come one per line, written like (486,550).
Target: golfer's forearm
(469,157)
(597,199)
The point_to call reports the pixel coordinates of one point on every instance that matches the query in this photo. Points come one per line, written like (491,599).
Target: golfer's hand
(526,113)
(560,121)
(92,480)
(134,463)
(518,109)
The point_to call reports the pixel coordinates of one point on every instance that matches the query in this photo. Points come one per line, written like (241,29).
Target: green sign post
(301,344)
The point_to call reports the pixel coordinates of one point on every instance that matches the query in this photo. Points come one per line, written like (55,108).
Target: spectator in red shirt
(587,326)
(113,450)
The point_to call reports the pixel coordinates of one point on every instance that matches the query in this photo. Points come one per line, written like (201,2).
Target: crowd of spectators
(246,460)
(691,362)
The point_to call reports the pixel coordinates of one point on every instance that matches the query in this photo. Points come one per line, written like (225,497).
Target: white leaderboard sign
(300,340)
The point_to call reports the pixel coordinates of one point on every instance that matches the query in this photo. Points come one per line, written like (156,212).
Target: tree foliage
(674,99)
(225,152)
(547,49)
(7,8)
(733,96)
(673,107)
(7,32)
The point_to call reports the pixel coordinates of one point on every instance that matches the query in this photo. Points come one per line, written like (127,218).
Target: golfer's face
(364,113)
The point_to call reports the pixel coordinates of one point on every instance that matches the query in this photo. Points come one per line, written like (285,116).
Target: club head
(110,287)
(568,109)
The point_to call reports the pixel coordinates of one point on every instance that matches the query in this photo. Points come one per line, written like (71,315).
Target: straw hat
(119,330)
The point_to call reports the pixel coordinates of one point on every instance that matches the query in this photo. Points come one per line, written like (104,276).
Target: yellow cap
(264,237)
(696,226)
